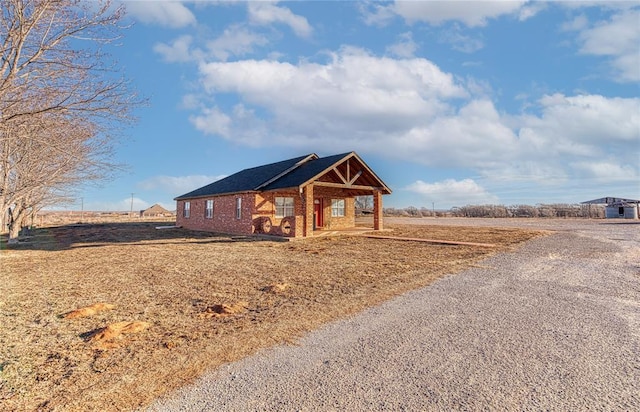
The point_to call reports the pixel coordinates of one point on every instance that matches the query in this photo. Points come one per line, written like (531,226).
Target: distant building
(155,211)
(617,208)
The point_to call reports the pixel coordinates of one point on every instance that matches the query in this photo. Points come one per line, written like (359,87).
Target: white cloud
(605,4)
(588,119)
(177,185)
(607,171)
(172,14)
(353,91)
(375,14)
(450,192)
(471,13)
(212,121)
(529,10)
(617,38)
(576,24)
(474,136)
(459,41)
(477,87)
(190,102)
(253,131)
(177,51)
(572,132)
(410,109)
(405,47)
(267,13)
(235,41)
(350,71)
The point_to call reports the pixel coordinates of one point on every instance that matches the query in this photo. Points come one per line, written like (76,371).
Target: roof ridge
(307,158)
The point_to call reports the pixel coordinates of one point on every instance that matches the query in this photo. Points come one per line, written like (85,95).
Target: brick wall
(260,207)
(224,214)
(265,209)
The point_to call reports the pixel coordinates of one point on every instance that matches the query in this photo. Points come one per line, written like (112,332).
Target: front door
(318,218)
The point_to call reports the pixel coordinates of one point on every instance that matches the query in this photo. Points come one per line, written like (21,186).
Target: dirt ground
(159,307)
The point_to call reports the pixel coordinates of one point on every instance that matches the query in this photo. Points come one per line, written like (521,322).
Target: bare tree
(62,101)
(364,203)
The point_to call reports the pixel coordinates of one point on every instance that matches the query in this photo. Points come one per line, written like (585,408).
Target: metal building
(617,207)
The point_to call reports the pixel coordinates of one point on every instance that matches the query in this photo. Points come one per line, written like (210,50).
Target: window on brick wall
(238,207)
(337,207)
(208,209)
(284,206)
(186,212)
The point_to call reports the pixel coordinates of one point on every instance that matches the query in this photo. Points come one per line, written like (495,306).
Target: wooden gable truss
(352,175)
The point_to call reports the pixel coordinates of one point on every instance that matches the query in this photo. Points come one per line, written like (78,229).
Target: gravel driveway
(552,325)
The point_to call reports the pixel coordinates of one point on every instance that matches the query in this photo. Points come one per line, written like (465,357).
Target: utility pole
(131,209)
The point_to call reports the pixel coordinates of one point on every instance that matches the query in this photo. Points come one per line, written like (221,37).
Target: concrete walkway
(554,325)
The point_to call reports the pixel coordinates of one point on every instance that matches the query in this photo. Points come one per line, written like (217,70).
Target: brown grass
(111,336)
(185,302)
(88,310)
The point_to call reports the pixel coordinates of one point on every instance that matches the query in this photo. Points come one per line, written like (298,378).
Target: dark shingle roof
(281,175)
(245,180)
(305,172)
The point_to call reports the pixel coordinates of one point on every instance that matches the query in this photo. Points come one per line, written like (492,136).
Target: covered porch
(329,198)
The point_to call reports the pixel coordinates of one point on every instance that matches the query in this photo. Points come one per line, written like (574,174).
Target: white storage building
(617,207)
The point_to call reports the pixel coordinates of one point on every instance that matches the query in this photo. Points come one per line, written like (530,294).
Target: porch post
(308,210)
(377,210)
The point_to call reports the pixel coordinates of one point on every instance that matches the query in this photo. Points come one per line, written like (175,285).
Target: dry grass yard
(111,316)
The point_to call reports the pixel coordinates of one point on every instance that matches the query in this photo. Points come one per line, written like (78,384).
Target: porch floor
(350,231)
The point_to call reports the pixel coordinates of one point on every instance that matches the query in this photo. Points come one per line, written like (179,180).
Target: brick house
(291,198)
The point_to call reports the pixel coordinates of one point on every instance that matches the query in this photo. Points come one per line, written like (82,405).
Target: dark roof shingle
(245,180)
(281,175)
(305,172)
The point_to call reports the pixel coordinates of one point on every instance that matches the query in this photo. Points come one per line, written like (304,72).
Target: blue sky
(450,103)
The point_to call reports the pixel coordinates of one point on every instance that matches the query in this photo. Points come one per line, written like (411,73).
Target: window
(238,207)
(284,206)
(337,207)
(208,209)
(186,212)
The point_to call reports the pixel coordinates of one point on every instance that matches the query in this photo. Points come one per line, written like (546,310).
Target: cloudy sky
(449,102)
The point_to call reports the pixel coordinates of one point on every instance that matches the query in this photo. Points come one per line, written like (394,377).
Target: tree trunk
(16,218)
(3,219)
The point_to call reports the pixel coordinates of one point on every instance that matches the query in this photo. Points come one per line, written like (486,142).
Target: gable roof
(155,209)
(291,173)
(304,173)
(247,179)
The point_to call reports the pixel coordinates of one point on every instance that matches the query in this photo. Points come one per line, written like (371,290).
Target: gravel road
(552,325)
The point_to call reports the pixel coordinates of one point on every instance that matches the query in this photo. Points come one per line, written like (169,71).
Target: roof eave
(215,195)
(383,188)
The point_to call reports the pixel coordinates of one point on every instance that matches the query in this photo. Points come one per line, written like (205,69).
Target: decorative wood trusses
(350,173)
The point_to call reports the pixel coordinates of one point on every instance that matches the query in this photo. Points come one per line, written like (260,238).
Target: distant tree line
(556,210)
